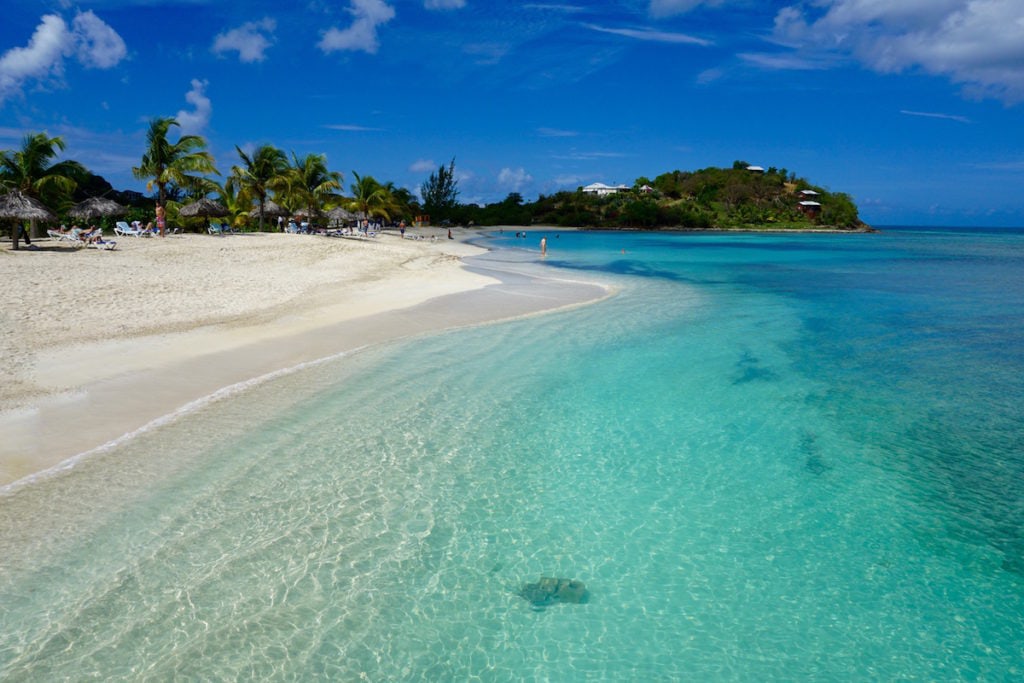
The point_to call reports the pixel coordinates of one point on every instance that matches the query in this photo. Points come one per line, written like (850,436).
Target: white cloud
(444,4)
(556,133)
(567,9)
(195,121)
(89,39)
(251,40)
(514,179)
(650,35)
(931,115)
(668,8)
(1013,166)
(977,43)
(588,156)
(352,128)
(362,34)
(710,76)
(99,46)
(568,180)
(782,61)
(41,58)
(423,166)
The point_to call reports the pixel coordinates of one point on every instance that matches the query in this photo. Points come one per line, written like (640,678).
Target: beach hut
(96,207)
(20,206)
(204,207)
(271,209)
(809,208)
(339,217)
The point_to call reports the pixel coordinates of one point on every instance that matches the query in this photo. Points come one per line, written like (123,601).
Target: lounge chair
(124,230)
(71,237)
(216,229)
(105,245)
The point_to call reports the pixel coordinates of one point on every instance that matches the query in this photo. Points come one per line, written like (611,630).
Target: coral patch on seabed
(550,591)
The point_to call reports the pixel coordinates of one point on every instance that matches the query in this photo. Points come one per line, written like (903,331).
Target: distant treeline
(711,198)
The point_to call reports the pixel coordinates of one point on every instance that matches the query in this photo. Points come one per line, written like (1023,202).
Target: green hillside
(737,198)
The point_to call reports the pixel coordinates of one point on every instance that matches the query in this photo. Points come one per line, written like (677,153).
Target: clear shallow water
(769,457)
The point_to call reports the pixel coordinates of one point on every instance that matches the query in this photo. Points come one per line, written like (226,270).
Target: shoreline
(88,394)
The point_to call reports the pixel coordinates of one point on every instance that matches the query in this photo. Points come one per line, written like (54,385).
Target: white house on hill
(602,190)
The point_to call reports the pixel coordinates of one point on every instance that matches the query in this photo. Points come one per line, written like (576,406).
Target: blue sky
(914,107)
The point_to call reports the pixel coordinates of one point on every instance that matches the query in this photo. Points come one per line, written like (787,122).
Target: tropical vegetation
(183,163)
(179,172)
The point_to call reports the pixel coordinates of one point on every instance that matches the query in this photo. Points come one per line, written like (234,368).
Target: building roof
(809,193)
(755,169)
(810,204)
(601,187)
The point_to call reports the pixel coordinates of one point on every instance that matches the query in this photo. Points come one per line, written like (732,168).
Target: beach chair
(215,229)
(124,230)
(102,244)
(70,237)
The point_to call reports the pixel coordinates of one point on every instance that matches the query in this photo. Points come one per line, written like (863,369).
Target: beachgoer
(17,232)
(161,221)
(450,234)
(544,246)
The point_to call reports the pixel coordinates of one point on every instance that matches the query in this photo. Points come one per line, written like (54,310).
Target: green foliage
(440,193)
(258,175)
(164,162)
(32,170)
(370,198)
(309,184)
(839,210)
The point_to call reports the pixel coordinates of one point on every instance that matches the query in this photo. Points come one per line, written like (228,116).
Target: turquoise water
(768,458)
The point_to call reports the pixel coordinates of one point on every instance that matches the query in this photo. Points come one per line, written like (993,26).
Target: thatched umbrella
(204,207)
(96,207)
(270,208)
(340,215)
(20,206)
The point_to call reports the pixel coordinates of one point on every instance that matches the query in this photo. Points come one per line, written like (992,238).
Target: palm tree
(370,198)
(309,183)
(264,171)
(32,171)
(236,203)
(164,163)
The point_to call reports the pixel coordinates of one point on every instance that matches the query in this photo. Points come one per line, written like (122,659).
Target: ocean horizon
(767,456)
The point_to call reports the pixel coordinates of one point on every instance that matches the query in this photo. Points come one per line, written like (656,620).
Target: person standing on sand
(161,221)
(544,246)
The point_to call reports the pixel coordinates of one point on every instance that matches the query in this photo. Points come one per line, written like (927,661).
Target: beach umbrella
(270,208)
(16,204)
(96,207)
(339,215)
(204,207)
(20,206)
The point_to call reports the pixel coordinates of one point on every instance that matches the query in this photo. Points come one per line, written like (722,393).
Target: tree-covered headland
(737,198)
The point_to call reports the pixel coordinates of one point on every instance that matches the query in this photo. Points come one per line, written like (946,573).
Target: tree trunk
(35,230)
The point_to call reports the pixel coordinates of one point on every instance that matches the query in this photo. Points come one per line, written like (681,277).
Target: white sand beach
(99,344)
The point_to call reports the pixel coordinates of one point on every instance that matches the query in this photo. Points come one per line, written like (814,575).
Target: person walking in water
(544,246)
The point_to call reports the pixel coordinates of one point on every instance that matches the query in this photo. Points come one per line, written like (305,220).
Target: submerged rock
(549,591)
